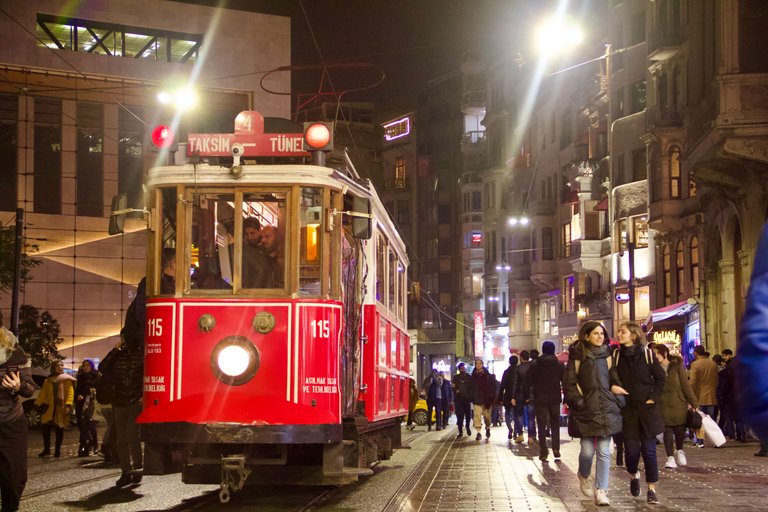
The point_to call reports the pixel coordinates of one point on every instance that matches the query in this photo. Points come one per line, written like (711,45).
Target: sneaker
(671,464)
(125,479)
(634,485)
(586,486)
(652,498)
(44,453)
(459,435)
(543,457)
(699,444)
(469,432)
(601,498)
(487,433)
(681,460)
(510,435)
(531,440)
(429,428)
(556,454)
(136,477)
(478,436)
(519,439)
(761,453)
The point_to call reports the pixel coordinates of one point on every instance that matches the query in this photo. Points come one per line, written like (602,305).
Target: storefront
(676,326)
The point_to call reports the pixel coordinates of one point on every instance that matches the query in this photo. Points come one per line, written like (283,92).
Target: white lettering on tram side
(209,144)
(320,385)
(154,383)
(285,144)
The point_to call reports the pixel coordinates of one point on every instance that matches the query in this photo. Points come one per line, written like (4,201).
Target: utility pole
(631,274)
(17,271)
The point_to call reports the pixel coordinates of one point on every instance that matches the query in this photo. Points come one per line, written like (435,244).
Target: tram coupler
(233,476)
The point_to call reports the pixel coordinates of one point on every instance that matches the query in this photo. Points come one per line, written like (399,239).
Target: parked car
(28,404)
(420,413)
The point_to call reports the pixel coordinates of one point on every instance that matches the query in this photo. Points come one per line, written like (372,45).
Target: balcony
(473,103)
(665,42)
(662,116)
(395,184)
(544,274)
(473,141)
(588,254)
(581,173)
(743,101)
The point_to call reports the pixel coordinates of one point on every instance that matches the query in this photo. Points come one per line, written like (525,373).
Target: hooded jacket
(595,410)
(752,363)
(10,357)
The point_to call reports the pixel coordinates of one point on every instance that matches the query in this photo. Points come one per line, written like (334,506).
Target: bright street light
(183,98)
(522,221)
(557,34)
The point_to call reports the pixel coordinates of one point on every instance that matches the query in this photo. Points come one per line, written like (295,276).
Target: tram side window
(264,240)
(310,241)
(211,238)
(392,282)
(167,266)
(381,248)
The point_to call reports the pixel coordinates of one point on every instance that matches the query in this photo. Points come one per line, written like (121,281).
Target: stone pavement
(468,475)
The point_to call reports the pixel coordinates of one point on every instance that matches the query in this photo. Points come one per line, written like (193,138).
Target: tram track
(56,488)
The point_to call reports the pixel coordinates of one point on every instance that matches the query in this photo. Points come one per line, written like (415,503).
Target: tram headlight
(235,360)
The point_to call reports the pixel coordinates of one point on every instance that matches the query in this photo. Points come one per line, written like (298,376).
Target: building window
(674,172)
(90,159)
(47,155)
(637,96)
(9,106)
(618,104)
(640,232)
(403,211)
(569,294)
(565,239)
(476,203)
(639,165)
(637,28)
(526,314)
(667,270)
(680,266)
(547,244)
(130,162)
(695,265)
(400,173)
(619,170)
(60,33)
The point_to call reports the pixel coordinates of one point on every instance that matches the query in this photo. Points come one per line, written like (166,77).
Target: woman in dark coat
(642,379)
(595,412)
(676,398)
(15,381)
(85,393)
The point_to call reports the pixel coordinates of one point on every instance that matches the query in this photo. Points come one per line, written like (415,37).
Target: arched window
(680,266)
(674,172)
(695,265)
(667,269)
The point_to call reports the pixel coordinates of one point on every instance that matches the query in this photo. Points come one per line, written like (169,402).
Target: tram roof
(203,174)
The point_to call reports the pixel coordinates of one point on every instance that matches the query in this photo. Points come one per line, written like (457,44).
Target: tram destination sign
(249,139)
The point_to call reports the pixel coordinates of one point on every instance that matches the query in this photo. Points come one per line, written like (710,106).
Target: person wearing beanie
(545,380)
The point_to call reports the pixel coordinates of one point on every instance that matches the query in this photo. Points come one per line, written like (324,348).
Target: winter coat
(58,395)
(677,394)
(545,378)
(644,382)
(730,393)
(522,370)
(413,395)
(507,388)
(462,387)
(445,388)
(14,356)
(483,388)
(703,377)
(594,408)
(86,382)
(752,363)
(125,368)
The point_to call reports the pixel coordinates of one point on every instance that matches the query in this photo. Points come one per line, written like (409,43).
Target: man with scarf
(439,395)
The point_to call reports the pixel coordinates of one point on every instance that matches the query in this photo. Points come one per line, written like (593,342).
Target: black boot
(82,451)
(45,453)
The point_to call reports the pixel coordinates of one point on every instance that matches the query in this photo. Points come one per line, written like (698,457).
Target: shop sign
(667,337)
(622,296)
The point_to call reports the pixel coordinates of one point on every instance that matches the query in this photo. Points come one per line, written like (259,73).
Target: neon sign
(397,129)
(667,337)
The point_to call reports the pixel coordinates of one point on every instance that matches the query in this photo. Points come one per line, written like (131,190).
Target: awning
(601,206)
(673,310)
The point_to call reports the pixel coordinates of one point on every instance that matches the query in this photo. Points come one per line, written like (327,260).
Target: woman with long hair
(85,395)
(595,412)
(642,379)
(55,401)
(676,399)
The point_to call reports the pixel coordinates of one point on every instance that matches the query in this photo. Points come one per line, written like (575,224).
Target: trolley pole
(631,276)
(17,271)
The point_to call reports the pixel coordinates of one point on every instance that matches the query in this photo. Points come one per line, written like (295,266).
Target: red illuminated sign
(477,238)
(249,134)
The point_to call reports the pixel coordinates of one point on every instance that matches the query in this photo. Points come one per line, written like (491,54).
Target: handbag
(573,428)
(692,420)
(711,430)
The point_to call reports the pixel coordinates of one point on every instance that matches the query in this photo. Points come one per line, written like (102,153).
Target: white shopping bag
(711,430)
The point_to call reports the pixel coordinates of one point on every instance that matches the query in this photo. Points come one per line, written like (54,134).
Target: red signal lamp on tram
(162,136)
(318,136)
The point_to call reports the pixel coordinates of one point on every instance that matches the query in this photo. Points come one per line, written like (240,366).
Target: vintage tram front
(280,347)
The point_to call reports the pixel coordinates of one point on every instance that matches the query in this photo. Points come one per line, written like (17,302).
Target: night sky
(412,41)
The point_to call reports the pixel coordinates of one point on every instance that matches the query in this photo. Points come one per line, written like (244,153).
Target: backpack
(648,356)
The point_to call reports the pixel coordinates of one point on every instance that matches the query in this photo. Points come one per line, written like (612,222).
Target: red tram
(302,378)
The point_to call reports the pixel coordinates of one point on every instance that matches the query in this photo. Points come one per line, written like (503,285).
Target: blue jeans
(603,445)
(529,417)
(463,413)
(648,449)
(509,415)
(517,411)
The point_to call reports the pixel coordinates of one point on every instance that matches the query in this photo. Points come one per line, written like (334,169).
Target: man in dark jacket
(439,396)
(545,378)
(523,405)
(462,398)
(484,394)
(507,397)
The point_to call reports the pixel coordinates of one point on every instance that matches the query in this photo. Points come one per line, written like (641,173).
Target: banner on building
(478,316)
(459,335)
